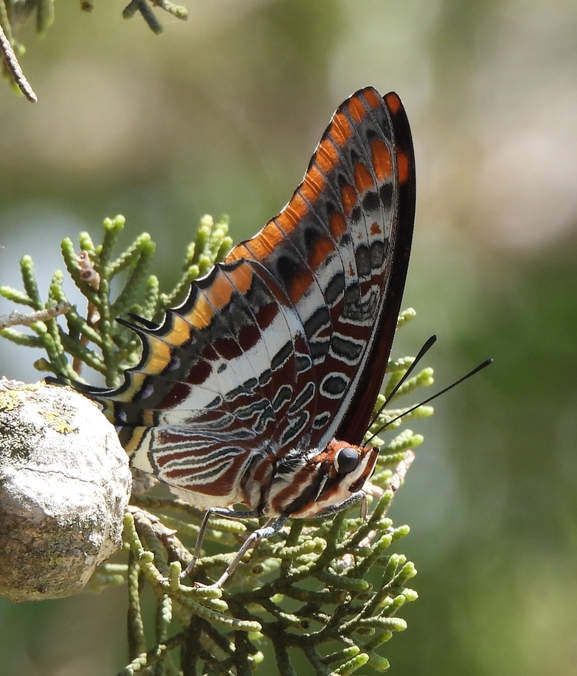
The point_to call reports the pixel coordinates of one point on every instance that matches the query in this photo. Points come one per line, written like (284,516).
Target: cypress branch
(313,586)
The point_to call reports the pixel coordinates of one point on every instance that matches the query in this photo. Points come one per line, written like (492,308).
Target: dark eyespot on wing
(371,201)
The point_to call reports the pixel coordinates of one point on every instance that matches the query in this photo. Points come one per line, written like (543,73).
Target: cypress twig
(14,68)
(314,585)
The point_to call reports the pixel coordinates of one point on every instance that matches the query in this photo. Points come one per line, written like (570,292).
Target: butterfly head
(307,484)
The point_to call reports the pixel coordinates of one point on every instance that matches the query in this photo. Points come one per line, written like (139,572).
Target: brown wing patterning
(283,346)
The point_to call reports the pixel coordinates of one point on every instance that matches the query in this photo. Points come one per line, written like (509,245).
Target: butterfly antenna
(422,352)
(478,368)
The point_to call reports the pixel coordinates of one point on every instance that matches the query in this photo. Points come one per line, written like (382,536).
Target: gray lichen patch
(64,487)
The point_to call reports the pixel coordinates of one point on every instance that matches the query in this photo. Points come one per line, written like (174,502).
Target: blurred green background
(221,114)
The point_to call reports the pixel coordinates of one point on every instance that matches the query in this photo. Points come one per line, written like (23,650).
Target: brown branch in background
(89,275)
(20,319)
(14,67)
(15,13)
(148,15)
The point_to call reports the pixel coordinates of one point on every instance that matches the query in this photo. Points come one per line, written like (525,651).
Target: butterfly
(257,389)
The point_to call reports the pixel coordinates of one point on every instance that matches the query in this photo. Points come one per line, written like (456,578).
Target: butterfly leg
(229,514)
(353,499)
(270,528)
(198,546)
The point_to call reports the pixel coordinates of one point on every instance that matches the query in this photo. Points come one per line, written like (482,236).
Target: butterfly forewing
(355,421)
(272,349)
(333,248)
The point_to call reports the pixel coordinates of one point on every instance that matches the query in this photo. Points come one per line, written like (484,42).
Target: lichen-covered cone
(64,487)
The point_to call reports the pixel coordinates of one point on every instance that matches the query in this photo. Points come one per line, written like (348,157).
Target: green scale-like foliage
(326,591)
(97,340)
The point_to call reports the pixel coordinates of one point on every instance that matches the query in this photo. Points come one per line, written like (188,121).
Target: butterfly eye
(346,460)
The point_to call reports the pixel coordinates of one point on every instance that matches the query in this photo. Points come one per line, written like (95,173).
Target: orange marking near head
(357,109)
(320,252)
(363,179)
(403,162)
(393,102)
(326,156)
(382,163)
(337,225)
(372,98)
(348,198)
(340,130)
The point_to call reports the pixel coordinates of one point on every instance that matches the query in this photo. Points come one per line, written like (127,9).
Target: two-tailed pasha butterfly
(257,390)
